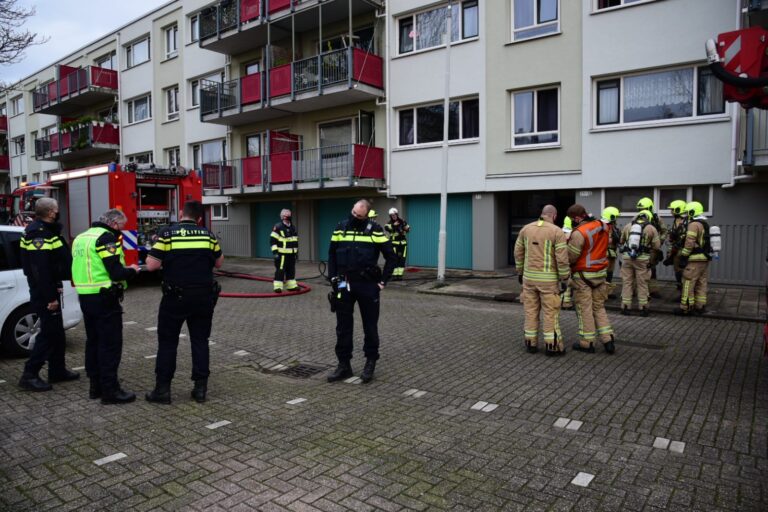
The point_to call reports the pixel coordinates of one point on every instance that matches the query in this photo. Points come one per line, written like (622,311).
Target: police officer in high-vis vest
(46,262)
(99,274)
(588,255)
(187,253)
(398,229)
(285,249)
(354,272)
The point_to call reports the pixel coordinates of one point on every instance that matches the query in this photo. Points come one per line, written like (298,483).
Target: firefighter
(694,260)
(46,261)
(676,239)
(541,259)
(398,228)
(187,253)
(588,256)
(285,248)
(646,204)
(356,277)
(639,239)
(610,216)
(567,302)
(99,275)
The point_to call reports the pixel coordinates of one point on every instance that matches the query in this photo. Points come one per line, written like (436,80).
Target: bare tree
(13,38)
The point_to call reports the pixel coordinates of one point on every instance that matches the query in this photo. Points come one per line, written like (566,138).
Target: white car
(19,322)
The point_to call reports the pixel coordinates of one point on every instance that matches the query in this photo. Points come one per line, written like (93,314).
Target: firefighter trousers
(285,271)
(590,311)
(366,294)
(694,294)
(635,276)
(401,251)
(542,298)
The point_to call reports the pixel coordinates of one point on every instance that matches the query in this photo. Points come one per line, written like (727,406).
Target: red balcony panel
(280,81)
(368,68)
(250,87)
(278,5)
(55,140)
(3,123)
(52,91)
(5,163)
(101,77)
(65,141)
(369,162)
(252,171)
(249,10)
(217,176)
(282,167)
(107,134)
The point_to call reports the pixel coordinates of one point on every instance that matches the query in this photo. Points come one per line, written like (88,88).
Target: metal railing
(219,18)
(76,139)
(75,81)
(220,175)
(216,97)
(325,68)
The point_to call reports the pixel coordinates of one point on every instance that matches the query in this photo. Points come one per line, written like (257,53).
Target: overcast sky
(71,24)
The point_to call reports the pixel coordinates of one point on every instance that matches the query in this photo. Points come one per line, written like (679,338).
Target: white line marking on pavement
(129,322)
(153,356)
(419,394)
(574,425)
(661,443)
(353,380)
(582,479)
(151,329)
(478,406)
(677,446)
(78,368)
(111,458)
(241,353)
(409,392)
(296,401)
(214,426)
(278,367)
(561,422)
(2,382)
(211,343)
(490,407)
(182,335)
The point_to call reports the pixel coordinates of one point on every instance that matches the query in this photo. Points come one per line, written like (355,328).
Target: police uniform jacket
(188,253)
(355,248)
(285,239)
(45,259)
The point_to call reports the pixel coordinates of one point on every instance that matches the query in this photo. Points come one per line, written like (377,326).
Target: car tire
(20,328)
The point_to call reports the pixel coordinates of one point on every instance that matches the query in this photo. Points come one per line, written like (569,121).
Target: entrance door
(525,207)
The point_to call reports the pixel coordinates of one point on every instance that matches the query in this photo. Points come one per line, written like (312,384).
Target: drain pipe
(387,95)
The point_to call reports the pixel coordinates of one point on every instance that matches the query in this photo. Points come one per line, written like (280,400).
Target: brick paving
(384,446)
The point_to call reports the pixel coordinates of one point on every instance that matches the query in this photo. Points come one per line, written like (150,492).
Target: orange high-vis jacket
(593,253)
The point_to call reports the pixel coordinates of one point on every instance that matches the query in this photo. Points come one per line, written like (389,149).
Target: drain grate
(302,371)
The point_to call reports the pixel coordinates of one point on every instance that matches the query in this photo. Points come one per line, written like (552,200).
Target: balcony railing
(227,15)
(5,163)
(74,82)
(77,140)
(218,97)
(344,163)
(3,123)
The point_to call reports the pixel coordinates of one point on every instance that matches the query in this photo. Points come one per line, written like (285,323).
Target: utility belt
(192,290)
(342,282)
(114,292)
(370,274)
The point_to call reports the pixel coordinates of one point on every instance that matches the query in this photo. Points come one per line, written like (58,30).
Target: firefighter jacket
(98,260)
(285,239)
(188,252)
(614,240)
(676,234)
(696,246)
(541,253)
(661,228)
(354,251)
(588,249)
(45,259)
(397,230)
(650,241)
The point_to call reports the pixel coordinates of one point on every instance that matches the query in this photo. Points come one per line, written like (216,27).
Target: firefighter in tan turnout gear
(588,255)
(639,241)
(541,259)
(701,242)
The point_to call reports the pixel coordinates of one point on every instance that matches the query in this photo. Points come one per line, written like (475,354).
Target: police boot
(62,375)
(342,371)
(161,394)
(199,391)
(610,347)
(117,396)
(94,391)
(32,382)
(590,350)
(368,369)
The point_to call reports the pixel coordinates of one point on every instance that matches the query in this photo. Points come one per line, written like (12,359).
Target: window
(137,52)
(659,95)
(10,240)
(219,212)
(208,152)
(464,119)
(535,117)
(108,116)
(253,145)
(426,29)
(424,124)
(108,61)
(141,158)
(607,4)
(19,145)
(534,18)
(17,105)
(171,41)
(172,103)
(667,195)
(625,199)
(194,28)
(139,109)
(173,157)
(194,85)
(3,110)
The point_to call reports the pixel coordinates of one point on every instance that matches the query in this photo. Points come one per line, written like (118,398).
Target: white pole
(441,240)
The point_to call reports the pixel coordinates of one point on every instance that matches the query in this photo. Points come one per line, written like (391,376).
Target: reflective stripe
(46,245)
(371,239)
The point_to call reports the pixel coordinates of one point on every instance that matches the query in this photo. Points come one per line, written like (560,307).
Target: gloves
(683,261)
(520,278)
(563,286)
(668,260)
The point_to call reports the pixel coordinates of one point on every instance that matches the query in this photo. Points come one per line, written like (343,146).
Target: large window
(625,199)
(536,117)
(141,158)
(534,18)
(139,109)
(660,95)
(17,105)
(424,124)
(108,61)
(608,4)
(171,41)
(426,29)
(137,52)
(172,103)
(208,152)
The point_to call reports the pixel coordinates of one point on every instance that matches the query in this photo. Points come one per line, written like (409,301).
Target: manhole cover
(302,371)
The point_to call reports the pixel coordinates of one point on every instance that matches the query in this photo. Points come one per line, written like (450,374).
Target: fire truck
(149,196)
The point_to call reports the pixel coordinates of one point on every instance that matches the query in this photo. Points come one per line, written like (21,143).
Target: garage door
(328,213)
(264,216)
(424,218)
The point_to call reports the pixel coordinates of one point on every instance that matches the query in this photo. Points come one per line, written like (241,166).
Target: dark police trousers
(193,305)
(103,316)
(366,294)
(49,343)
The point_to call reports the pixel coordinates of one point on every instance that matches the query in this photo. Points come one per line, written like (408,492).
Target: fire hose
(303,287)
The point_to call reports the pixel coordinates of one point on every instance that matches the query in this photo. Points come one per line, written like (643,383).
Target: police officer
(694,260)
(646,204)
(541,260)
(636,267)
(588,256)
(356,277)
(285,248)
(46,262)
(99,275)
(187,253)
(676,239)
(398,228)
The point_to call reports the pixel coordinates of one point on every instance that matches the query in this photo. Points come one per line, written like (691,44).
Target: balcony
(5,163)
(79,143)
(76,89)
(347,165)
(330,79)
(3,124)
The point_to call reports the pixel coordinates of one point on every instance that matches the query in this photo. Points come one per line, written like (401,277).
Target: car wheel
(20,331)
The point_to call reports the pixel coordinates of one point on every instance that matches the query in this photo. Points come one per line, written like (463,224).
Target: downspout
(118,55)
(387,92)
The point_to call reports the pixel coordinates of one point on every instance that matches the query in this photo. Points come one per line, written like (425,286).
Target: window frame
(223,211)
(171,98)
(535,25)
(623,5)
(130,52)
(171,39)
(461,39)
(194,28)
(663,211)
(17,102)
(110,57)
(19,141)
(173,156)
(535,91)
(131,109)
(414,110)
(197,152)
(132,158)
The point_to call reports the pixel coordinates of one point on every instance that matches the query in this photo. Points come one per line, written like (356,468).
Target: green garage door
(264,216)
(424,218)
(328,213)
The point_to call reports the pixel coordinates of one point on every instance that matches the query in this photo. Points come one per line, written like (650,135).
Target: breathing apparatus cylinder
(715,242)
(634,239)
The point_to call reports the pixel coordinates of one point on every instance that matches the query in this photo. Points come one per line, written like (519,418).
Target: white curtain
(609,106)
(659,89)
(430,28)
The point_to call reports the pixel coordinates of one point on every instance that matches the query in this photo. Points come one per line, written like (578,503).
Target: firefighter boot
(590,349)
(644,312)
(530,347)
(368,369)
(94,391)
(33,382)
(199,391)
(161,394)
(342,371)
(610,347)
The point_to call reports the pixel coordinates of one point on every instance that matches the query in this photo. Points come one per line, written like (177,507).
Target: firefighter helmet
(644,216)
(645,203)
(610,214)
(393,211)
(694,209)
(372,214)
(677,206)
(567,224)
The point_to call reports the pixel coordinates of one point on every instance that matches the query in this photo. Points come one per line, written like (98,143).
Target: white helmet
(393,211)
